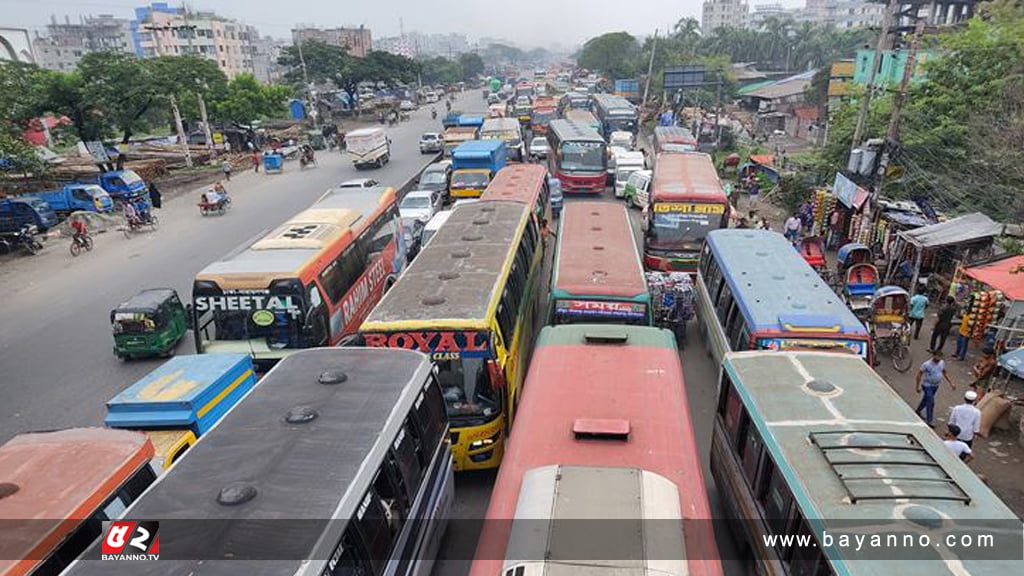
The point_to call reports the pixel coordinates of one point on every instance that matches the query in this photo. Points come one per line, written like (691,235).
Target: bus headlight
(485,442)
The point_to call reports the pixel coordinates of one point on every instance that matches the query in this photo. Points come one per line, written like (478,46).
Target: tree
(246,100)
(324,63)
(472,65)
(615,54)
(500,55)
(22,88)
(119,85)
(440,70)
(186,77)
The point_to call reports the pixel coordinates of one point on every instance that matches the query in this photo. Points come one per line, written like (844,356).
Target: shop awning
(1000,276)
(962,230)
(763,159)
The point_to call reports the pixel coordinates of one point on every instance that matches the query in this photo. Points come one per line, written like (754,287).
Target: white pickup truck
(368,147)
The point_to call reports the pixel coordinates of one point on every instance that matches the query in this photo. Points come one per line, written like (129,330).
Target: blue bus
(812,450)
(755,292)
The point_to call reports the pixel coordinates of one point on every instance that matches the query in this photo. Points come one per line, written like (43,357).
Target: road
(55,340)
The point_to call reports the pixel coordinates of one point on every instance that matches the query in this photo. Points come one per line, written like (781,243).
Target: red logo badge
(130,537)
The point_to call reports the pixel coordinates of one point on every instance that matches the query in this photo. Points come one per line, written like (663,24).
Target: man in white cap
(967,417)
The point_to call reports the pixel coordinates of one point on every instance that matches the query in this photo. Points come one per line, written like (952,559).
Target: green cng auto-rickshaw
(149,324)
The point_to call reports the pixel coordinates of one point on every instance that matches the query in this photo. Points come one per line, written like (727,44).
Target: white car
(407,106)
(431,142)
(539,147)
(420,205)
(359,183)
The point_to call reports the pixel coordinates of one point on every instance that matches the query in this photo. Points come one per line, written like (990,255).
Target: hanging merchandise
(984,306)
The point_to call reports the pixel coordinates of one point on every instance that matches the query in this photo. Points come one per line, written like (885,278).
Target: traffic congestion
(516,331)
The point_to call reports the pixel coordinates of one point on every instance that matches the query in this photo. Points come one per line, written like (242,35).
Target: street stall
(839,214)
(997,290)
(929,256)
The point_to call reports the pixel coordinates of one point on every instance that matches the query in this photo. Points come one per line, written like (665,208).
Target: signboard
(600,309)
(857,347)
(260,303)
(688,77)
(440,345)
(98,152)
(218,138)
(689,208)
(844,189)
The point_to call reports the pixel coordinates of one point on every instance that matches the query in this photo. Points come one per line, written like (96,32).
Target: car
(431,142)
(435,177)
(420,205)
(539,147)
(359,183)
(406,106)
(493,99)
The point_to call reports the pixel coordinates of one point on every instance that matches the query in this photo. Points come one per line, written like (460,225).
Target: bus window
(714,282)
(724,304)
(730,408)
(749,449)
(373,525)
(430,416)
(348,559)
(406,446)
(377,238)
(776,502)
(319,324)
(341,274)
(734,326)
(807,560)
(743,342)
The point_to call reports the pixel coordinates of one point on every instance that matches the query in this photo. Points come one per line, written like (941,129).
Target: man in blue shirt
(929,376)
(917,305)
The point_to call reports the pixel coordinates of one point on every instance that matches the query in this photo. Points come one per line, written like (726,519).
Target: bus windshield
(277,319)
(677,230)
(582,156)
(467,390)
(626,124)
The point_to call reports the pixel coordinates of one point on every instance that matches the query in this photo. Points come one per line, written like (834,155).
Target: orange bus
(57,488)
(311,282)
(522,183)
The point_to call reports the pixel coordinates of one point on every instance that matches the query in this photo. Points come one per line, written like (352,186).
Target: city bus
(336,463)
(577,156)
(673,139)
(755,292)
(470,301)
(573,101)
(686,202)
(310,282)
(585,118)
(602,468)
(526,184)
(615,114)
(542,115)
(818,446)
(597,276)
(57,489)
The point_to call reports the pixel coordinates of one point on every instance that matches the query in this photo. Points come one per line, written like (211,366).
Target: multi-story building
(447,45)
(400,45)
(358,41)
(179,32)
(723,14)
(762,12)
(65,43)
(15,45)
(853,13)
(265,52)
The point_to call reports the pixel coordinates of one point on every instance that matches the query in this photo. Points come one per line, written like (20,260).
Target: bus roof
(597,253)
(570,130)
(583,377)
(774,287)
(577,115)
(455,282)
(612,102)
(298,445)
(67,474)
(521,183)
(674,134)
(686,177)
(296,244)
(821,416)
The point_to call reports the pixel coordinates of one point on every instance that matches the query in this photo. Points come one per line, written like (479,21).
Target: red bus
(603,432)
(522,183)
(309,283)
(577,156)
(673,139)
(687,201)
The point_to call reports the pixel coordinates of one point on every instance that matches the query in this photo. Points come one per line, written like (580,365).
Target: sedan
(359,183)
(435,177)
(431,142)
(420,205)
(539,147)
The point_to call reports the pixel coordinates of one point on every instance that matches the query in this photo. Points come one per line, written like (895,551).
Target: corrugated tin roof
(970,227)
(782,88)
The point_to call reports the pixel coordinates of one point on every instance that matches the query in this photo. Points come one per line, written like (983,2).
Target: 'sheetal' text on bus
(248,302)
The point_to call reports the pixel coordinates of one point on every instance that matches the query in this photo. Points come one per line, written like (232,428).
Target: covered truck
(18,212)
(121,185)
(474,164)
(456,135)
(368,147)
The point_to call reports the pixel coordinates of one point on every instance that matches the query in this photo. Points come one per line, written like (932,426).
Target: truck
(456,135)
(628,88)
(508,130)
(368,147)
(17,212)
(470,120)
(473,165)
(451,119)
(75,198)
(121,185)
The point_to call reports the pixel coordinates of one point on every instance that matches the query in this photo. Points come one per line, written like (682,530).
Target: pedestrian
(983,370)
(963,337)
(943,325)
(792,228)
(743,223)
(929,376)
(755,192)
(917,305)
(227,147)
(959,449)
(256,160)
(154,195)
(226,167)
(967,417)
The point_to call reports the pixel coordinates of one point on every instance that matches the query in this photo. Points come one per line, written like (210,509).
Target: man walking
(943,325)
(793,228)
(967,418)
(963,337)
(226,167)
(917,305)
(929,376)
(957,447)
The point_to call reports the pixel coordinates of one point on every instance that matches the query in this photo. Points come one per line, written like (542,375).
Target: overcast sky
(527,22)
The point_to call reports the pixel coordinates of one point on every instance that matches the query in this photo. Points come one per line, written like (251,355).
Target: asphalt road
(57,368)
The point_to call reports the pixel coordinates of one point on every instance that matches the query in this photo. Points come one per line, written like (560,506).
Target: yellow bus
(469,300)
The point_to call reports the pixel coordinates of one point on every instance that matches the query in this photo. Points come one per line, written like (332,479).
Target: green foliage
(440,70)
(500,55)
(616,54)
(246,100)
(187,77)
(783,44)
(472,65)
(121,86)
(324,63)
(22,88)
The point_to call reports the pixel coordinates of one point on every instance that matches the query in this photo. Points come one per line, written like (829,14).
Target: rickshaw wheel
(901,357)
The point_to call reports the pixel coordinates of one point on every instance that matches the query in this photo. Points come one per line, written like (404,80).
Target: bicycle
(78,243)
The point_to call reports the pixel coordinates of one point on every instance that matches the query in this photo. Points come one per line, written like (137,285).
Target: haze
(528,23)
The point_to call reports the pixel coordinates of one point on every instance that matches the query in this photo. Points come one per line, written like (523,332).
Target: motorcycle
(306,159)
(23,238)
(79,243)
(433,114)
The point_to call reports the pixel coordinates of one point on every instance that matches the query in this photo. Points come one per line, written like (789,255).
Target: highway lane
(56,363)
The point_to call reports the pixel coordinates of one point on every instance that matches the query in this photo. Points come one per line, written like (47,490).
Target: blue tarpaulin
(1013,362)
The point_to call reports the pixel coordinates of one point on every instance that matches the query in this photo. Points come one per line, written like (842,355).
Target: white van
(621,139)
(626,163)
(637,190)
(433,226)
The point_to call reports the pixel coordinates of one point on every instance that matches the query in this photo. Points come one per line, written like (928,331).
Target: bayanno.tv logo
(130,540)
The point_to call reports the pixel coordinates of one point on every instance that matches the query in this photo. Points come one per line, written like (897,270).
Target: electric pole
(883,43)
(650,69)
(181,132)
(893,133)
(206,127)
